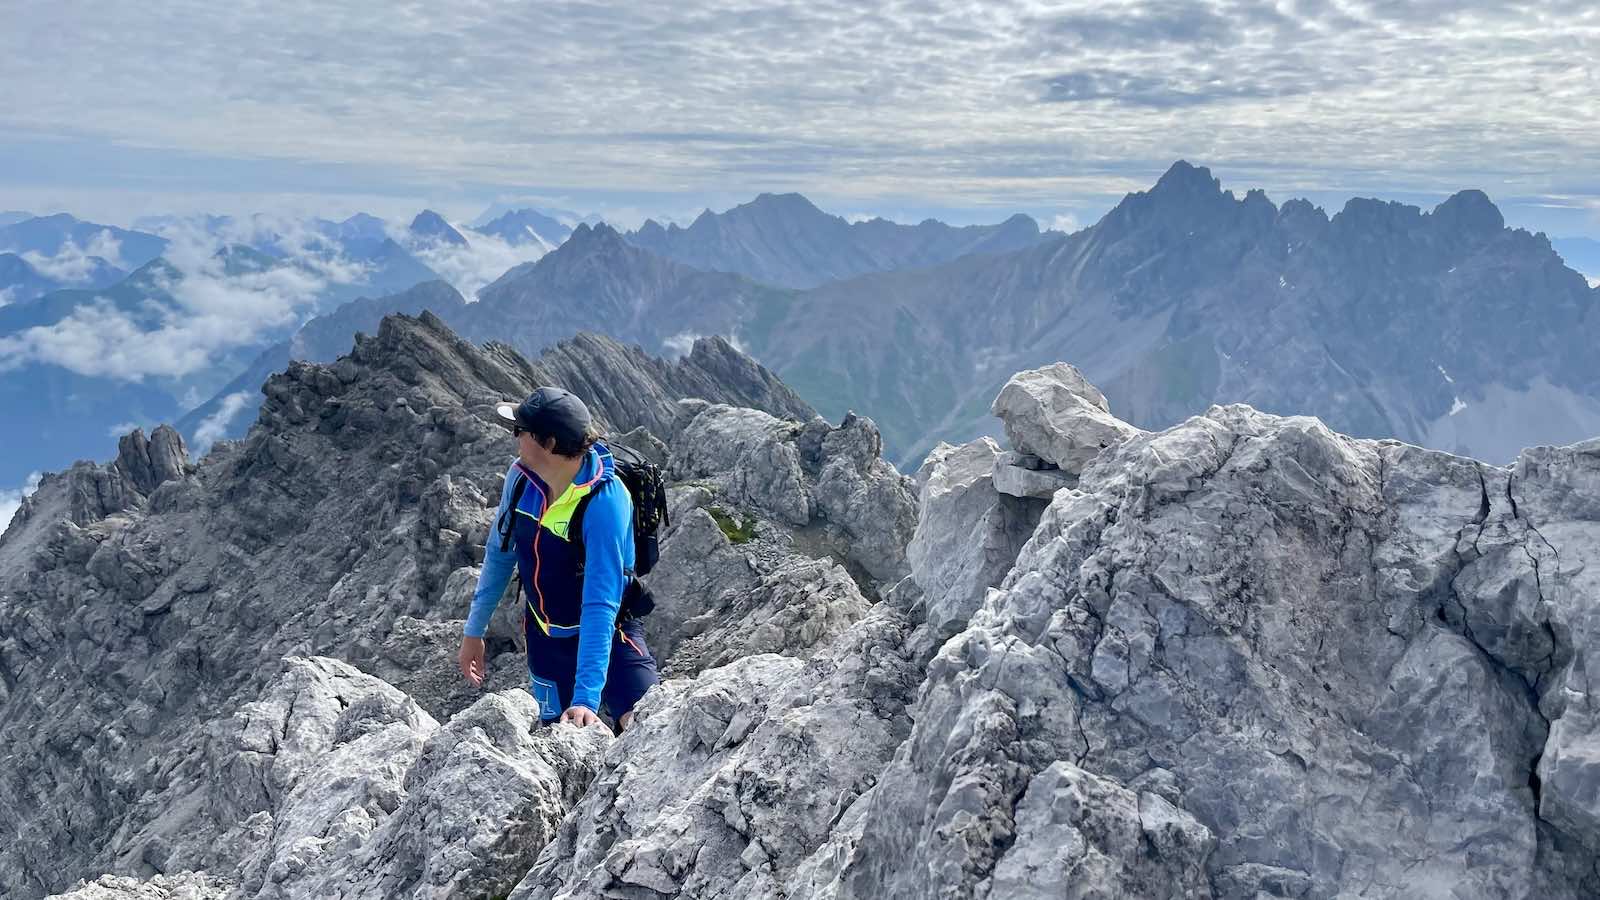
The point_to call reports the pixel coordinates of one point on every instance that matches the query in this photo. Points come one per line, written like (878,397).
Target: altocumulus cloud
(993,102)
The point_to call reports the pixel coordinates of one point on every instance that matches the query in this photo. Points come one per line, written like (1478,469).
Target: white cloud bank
(470,268)
(211,311)
(74,265)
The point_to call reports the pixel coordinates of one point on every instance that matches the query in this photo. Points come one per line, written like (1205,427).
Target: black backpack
(649,492)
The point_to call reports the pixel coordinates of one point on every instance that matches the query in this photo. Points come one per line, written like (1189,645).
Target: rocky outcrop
(147,464)
(1348,663)
(1244,657)
(1054,414)
(346,525)
(829,483)
(968,533)
(184,886)
(734,782)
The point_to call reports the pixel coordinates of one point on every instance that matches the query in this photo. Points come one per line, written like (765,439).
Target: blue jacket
(548,570)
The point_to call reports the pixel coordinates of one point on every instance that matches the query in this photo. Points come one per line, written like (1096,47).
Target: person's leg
(632,671)
(552,666)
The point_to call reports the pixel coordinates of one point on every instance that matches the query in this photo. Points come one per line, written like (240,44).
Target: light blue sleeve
(498,565)
(608,552)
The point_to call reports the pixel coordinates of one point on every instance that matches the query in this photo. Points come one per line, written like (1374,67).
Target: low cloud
(7,295)
(121,429)
(11,500)
(470,268)
(682,343)
(214,426)
(74,265)
(1065,223)
(208,310)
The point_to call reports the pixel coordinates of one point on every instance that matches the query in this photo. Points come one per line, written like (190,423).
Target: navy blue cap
(549,412)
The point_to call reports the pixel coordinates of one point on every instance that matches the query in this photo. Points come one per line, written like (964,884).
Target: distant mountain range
(58,413)
(1444,329)
(785,241)
(39,254)
(526,226)
(1441,327)
(1383,319)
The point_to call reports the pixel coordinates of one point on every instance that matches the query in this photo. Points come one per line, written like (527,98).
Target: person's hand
(470,659)
(581,716)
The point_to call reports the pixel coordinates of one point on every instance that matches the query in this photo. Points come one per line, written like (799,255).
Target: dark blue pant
(553,666)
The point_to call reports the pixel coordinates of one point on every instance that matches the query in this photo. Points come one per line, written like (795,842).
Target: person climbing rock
(565,523)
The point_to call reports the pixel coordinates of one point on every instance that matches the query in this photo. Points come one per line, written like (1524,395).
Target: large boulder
(1335,657)
(968,534)
(828,484)
(1054,413)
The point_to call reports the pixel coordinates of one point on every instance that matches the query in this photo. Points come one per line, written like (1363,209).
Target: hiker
(566,521)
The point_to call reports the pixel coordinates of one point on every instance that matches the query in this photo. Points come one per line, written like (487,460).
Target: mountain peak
(1186,179)
(1470,211)
(431,225)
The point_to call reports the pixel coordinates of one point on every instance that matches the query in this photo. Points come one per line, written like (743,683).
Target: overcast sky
(969,111)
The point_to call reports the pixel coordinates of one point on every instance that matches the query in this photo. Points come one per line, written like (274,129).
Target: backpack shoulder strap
(575,528)
(508,522)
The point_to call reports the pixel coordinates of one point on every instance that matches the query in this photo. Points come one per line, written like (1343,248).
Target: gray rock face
(967,535)
(830,485)
(1329,654)
(728,786)
(185,886)
(335,784)
(1244,657)
(147,464)
(345,526)
(1055,414)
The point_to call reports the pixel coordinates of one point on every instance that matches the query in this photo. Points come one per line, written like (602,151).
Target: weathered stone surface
(1054,413)
(184,886)
(346,525)
(1039,484)
(1081,836)
(1242,658)
(1266,625)
(149,463)
(828,483)
(967,535)
(728,785)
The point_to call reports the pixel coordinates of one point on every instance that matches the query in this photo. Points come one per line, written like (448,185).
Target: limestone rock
(148,463)
(184,886)
(1054,413)
(1040,484)
(967,536)
(728,785)
(1259,618)
(829,482)
(1081,836)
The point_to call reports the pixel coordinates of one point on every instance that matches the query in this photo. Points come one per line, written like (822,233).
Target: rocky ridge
(1243,657)
(142,603)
